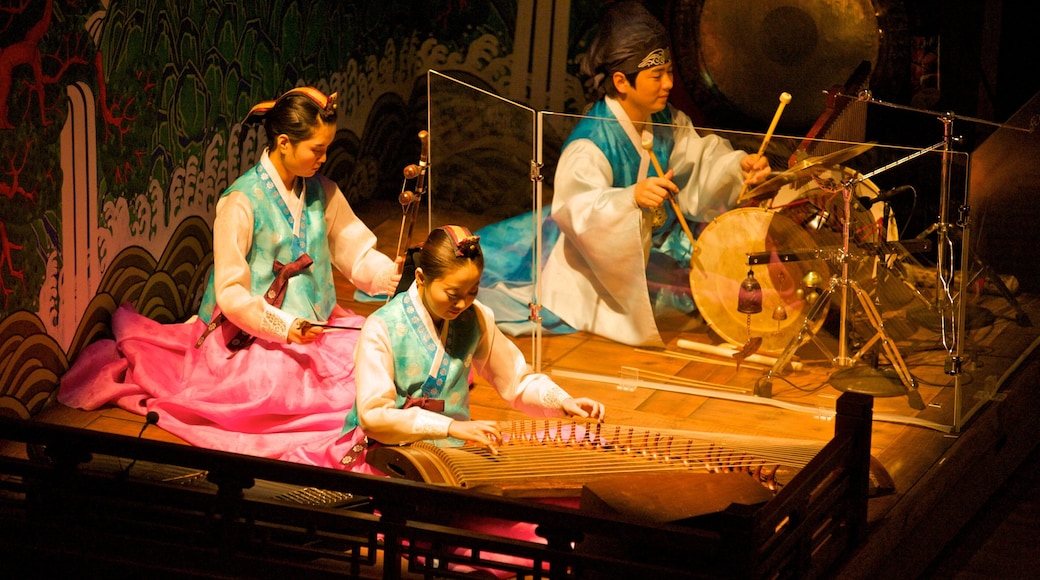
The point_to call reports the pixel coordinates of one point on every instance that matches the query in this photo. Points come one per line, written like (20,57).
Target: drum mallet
(785,98)
(648,144)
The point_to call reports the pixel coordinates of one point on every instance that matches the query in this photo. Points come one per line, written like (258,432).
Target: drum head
(720,264)
(800,241)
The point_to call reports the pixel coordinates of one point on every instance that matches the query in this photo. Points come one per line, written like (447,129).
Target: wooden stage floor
(942,475)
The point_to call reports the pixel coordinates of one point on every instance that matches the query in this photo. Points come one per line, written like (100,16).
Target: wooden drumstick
(785,98)
(648,144)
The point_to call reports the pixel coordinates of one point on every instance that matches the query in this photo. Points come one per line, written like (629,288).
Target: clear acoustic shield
(483,176)
(818,279)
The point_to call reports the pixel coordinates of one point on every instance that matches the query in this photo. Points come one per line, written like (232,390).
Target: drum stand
(846,286)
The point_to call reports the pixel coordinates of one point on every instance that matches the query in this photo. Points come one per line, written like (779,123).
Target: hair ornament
(326,103)
(467,245)
(654,57)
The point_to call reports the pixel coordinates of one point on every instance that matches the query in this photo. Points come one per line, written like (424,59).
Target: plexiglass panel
(771,271)
(817,271)
(481,150)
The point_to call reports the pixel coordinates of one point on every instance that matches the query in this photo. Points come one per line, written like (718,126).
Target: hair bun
(327,104)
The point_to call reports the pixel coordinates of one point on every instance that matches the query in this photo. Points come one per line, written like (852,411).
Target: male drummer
(621,261)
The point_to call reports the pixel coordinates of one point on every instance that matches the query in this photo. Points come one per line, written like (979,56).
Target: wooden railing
(82,504)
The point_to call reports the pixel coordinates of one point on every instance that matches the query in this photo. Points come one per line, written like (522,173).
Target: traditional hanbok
(227,379)
(413,379)
(614,268)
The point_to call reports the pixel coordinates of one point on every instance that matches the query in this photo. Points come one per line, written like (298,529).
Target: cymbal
(804,169)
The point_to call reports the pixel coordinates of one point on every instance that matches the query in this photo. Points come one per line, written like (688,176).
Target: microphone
(151,418)
(885,195)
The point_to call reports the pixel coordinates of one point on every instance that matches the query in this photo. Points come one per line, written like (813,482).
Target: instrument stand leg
(986,272)
(895,273)
(1021,317)
(763,387)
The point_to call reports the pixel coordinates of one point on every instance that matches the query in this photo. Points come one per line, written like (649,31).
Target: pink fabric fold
(271,400)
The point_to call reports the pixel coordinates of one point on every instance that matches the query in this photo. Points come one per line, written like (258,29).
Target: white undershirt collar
(293,199)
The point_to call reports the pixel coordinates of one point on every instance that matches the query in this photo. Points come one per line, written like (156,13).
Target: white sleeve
(707,171)
(353,246)
(232,280)
(601,223)
(585,201)
(499,362)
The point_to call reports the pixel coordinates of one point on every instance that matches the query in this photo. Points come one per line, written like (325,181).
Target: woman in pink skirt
(257,371)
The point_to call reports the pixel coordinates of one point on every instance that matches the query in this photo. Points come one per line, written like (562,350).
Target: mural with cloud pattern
(120,125)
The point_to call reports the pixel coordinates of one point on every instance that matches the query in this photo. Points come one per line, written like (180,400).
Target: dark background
(987,77)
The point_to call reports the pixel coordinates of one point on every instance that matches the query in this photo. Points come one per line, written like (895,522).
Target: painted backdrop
(120,126)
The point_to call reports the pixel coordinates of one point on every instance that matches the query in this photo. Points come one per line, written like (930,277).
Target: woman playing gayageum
(415,355)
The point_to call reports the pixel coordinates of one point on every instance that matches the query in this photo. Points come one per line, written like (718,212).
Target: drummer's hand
(756,168)
(301,332)
(584,408)
(652,191)
(480,432)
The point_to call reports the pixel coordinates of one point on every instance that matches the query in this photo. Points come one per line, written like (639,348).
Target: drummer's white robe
(595,277)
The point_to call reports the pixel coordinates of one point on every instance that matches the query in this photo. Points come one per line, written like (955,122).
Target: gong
(735,56)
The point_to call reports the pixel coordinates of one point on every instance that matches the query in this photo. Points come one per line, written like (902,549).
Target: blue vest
(311,294)
(611,139)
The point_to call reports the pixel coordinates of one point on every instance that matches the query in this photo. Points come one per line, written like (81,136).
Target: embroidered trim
(299,241)
(430,424)
(554,397)
(356,452)
(636,64)
(273,322)
(382,281)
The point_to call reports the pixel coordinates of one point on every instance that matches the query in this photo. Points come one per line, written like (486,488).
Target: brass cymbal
(804,169)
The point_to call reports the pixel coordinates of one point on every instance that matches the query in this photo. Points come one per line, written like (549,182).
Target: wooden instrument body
(559,458)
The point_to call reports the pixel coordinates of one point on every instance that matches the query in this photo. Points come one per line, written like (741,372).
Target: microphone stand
(151,418)
(951,308)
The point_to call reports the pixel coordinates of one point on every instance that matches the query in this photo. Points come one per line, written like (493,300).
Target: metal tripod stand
(847,289)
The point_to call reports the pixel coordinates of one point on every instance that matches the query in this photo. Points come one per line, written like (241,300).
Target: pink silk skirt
(281,401)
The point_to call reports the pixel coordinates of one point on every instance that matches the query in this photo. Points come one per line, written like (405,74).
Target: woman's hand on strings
(653,191)
(584,408)
(484,433)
